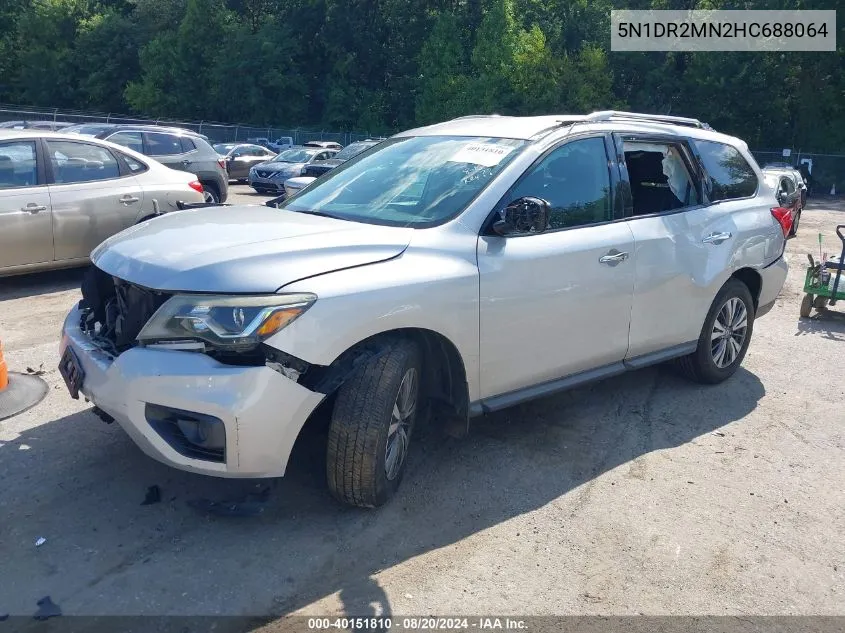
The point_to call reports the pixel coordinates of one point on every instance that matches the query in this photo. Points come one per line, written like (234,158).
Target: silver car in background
(454,270)
(61,195)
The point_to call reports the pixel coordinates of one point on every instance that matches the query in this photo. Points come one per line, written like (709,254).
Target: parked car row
(174,147)
(459,268)
(61,195)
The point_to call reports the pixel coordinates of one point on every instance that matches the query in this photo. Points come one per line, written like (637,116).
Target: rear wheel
(724,337)
(820,302)
(371,426)
(210,194)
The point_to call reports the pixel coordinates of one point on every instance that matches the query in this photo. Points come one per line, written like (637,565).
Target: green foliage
(383,65)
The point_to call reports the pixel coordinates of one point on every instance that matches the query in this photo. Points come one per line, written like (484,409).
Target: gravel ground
(640,494)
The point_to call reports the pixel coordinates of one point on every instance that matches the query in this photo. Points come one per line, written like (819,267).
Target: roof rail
(608,115)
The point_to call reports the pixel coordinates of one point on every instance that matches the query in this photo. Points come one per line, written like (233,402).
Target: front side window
(18,167)
(730,175)
(412,181)
(132,140)
(659,177)
(81,162)
(574,180)
(160,144)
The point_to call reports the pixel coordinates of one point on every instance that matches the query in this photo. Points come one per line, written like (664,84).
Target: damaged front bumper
(160,397)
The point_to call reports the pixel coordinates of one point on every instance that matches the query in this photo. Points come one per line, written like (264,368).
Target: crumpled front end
(182,407)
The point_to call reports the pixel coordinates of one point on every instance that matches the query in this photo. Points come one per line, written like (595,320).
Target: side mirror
(523,215)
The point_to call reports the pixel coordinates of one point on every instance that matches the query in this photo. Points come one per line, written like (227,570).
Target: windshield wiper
(322,214)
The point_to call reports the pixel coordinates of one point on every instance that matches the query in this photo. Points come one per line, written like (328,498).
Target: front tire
(724,337)
(371,426)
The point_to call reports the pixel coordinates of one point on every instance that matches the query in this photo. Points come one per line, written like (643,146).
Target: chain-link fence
(217,132)
(826,172)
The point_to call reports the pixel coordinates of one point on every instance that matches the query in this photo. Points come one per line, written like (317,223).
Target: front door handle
(186,163)
(33,208)
(716,238)
(613,257)
(127,199)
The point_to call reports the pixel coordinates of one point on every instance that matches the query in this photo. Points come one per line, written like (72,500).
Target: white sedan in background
(61,195)
(294,185)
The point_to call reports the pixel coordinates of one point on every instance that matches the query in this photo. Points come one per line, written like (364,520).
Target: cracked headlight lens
(234,323)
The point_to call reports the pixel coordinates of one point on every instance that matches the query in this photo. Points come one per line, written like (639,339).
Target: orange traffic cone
(4,370)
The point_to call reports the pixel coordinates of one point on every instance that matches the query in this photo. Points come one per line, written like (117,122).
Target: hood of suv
(247,249)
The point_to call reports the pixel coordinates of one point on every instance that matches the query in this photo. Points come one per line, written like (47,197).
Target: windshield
(224,148)
(352,150)
(413,181)
(295,156)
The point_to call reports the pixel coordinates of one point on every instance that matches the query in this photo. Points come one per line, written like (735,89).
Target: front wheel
(371,426)
(724,338)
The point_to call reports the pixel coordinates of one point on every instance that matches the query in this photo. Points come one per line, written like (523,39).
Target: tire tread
(358,418)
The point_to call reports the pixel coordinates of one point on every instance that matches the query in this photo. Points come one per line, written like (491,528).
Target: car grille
(263,173)
(114,311)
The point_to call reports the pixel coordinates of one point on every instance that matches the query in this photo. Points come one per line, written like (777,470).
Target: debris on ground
(249,506)
(718,434)
(153,496)
(47,609)
(40,541)
(36,372)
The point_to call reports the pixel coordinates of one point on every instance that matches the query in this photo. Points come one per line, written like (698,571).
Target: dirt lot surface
(640,494)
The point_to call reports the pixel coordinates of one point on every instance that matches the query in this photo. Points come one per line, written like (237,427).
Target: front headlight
(235,323)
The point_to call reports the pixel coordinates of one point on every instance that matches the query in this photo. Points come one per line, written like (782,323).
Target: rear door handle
(613,257)
(127,199)
(717,238)
(33,208)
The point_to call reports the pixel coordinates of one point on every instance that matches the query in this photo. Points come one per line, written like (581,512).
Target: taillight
(196,185)
(784,218)
(222,163)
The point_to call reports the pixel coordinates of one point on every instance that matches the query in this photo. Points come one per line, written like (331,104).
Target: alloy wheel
(729,332)
(398,434)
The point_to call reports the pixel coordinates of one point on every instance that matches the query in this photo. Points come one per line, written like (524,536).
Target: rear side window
(81,162)
(132,140)
(188,145)
(135,166)
(17,165)
(160,144)
(731,176)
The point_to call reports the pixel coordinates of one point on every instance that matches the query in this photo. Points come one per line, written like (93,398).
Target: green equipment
(824,284)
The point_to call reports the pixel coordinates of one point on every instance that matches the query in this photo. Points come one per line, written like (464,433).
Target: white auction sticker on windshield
(484,154)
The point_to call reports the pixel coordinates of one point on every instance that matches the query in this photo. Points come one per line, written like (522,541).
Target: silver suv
(455,270)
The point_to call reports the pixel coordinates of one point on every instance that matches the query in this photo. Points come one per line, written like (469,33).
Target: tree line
(386,65)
